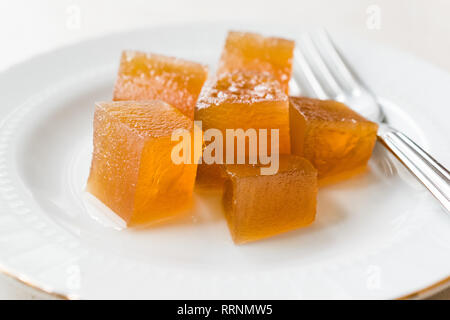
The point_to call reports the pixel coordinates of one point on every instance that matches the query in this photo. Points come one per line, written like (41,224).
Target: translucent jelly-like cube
(250,51)
(259,206)
(337,140)
(210,176)
(132,171)
(145,76)
(242,100)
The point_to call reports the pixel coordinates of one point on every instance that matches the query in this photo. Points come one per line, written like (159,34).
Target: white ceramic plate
(380,235)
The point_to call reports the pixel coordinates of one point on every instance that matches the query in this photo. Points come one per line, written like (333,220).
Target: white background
(32,27)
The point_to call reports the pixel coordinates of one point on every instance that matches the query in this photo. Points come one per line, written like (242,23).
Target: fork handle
(427,170)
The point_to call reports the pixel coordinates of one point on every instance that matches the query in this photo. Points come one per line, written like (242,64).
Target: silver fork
(322,71)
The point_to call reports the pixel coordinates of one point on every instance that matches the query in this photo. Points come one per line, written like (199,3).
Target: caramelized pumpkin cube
(145,76)
(337,140)
(132,171)
(242,100)
(259,206)
(210,176)
(250,51)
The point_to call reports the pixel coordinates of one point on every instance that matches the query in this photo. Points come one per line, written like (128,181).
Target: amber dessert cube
(260,206)
(146,76)
(250,51)
(210,176)
(132,171)
(242,100)
(337,140)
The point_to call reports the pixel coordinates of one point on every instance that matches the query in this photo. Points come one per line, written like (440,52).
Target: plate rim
(417,294)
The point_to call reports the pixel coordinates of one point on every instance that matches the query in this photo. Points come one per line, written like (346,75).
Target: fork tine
(322,71)
(346,76)
(305,77)
(356,91)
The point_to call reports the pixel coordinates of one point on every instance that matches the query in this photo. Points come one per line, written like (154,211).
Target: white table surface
(31,27)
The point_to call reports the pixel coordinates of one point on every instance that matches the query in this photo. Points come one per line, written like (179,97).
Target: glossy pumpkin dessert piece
(337,140)
(250,51)
(260,206)
(146,76)
(132,171)
(210,176)
(242,100)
